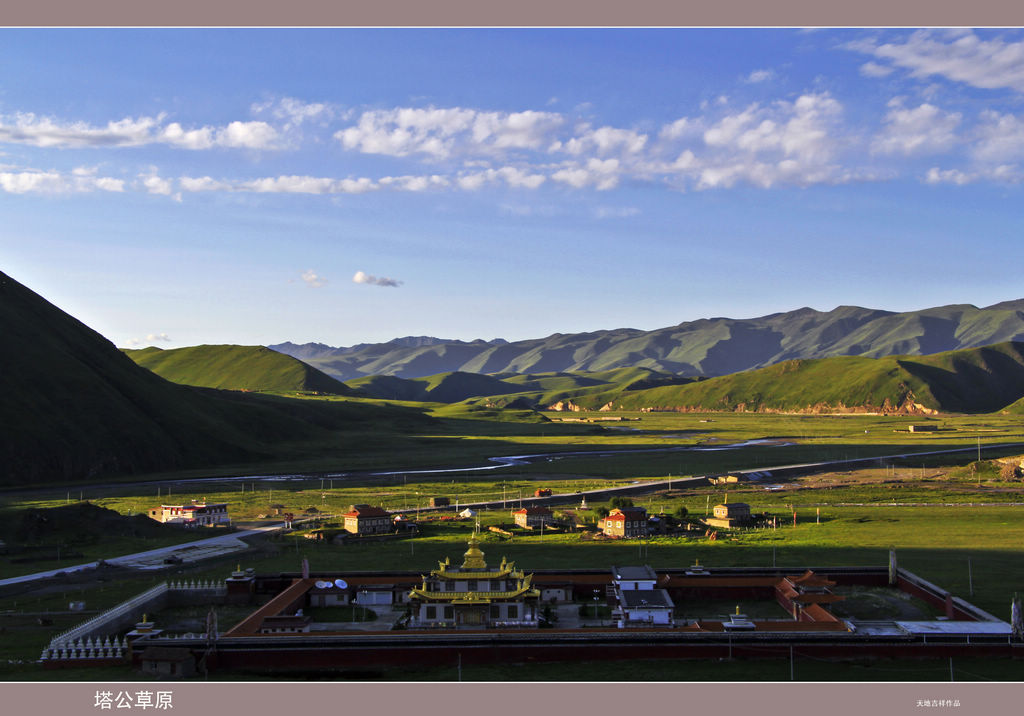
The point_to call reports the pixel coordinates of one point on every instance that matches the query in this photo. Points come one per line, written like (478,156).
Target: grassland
(251,368)
(951,521)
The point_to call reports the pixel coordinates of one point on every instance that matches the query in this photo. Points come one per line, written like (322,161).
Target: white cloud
(682,127)
(601,174)
(608,212)
(247,135)
(604,141)
(1005,173)
(294,184)
(294,112)
(415,183)
(287,184)
(34,181)
(27,128)
(511,176)
(760,76)
(999,137)
(173,134)
(873,69)
(959,56)
(155,184)
(786,142)
(921,130)
(441,132)
(26,182)
(105,183)
(361,277)
(151,338)
(312,279)
(47,132)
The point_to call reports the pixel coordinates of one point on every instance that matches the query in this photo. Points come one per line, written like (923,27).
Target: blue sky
(176,187)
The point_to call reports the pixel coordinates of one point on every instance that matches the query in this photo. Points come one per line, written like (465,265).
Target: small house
(735,514)
(625,522)
(368,520)
(533,517)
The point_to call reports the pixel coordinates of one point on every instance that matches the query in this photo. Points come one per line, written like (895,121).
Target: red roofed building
(193,515)
(533,517)
(368,520)
(625,522)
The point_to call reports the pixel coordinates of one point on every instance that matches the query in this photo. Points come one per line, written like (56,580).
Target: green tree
(620,502)
(681,512)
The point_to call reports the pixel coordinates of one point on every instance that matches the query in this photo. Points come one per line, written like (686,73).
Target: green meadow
(951,519)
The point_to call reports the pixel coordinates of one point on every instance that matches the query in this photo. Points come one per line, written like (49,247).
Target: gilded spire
(474,557)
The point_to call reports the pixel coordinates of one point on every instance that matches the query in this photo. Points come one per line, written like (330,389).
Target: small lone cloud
(151,338)
(760,76)
(312,279)
(361,277)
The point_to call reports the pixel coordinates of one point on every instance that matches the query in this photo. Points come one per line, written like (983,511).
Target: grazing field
(951,519)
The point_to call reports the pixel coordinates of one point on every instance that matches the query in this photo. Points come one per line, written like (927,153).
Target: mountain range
(706,347)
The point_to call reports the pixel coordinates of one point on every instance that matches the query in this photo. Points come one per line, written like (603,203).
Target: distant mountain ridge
(706,347)
(972,380)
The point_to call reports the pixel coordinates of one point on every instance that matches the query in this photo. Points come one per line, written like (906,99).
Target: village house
(625,522)
(474,595)
(368,520)
(197,514)
(736,514)
(533,517)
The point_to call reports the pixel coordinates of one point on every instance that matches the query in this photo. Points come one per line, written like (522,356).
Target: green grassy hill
(541,389)
(976,380)
(76,408)
(449,387)
(252,368)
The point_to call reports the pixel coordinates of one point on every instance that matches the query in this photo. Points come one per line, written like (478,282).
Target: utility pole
(970,579)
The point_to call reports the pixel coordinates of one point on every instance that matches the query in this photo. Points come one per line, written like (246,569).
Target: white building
(198,514)
(639,602)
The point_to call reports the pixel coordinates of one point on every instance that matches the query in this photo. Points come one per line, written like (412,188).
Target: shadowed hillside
(76,408)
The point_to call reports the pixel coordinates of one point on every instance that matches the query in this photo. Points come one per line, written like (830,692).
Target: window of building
(449,612)
(471,585)
(431,613)
(513,611)
(495,611)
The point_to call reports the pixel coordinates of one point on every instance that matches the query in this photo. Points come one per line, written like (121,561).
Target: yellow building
(474,595)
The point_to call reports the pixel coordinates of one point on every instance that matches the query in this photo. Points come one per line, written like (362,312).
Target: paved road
(154,558)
